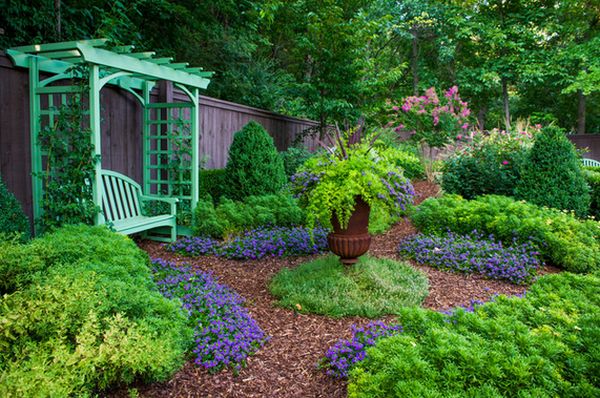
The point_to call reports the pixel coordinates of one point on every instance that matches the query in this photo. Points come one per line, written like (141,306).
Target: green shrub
(254,167)
(212,182)
(490,164)
(553,176)
(380,221)
(489,172)
(255,211)
(562,239)
(593,179)
(293,158)
(370,288)
(206,221)
(543,345)
(84,315)
(408,161)
(12,219)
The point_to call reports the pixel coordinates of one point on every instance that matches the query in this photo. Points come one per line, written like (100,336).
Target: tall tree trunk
(58,19)
(481,114)
(414,62)
(581,113)
(506,104)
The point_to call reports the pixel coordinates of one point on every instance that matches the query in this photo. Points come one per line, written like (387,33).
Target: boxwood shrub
(542,345)
(254,166)
(562,239)
(553,174)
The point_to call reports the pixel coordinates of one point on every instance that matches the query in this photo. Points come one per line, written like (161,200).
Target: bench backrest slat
(120,197)
(126,201)
(590,162)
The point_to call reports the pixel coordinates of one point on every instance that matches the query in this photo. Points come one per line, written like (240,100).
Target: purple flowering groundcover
(257,243)
(474,253)
(225,334)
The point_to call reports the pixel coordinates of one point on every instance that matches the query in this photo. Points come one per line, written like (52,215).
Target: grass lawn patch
(370,288)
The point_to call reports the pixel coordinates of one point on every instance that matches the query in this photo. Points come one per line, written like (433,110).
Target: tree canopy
(335,60)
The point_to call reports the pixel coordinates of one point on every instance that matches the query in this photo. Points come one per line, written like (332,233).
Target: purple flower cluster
(225,334)
(473,253)
(345,353)
(304,182)
(257,243)
(399,189)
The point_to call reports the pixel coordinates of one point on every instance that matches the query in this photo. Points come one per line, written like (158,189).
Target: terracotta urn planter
(354,241)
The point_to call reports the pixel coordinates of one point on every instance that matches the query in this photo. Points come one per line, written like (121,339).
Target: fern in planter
(329,183)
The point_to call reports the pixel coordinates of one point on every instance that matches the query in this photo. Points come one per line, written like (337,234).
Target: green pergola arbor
(170,130)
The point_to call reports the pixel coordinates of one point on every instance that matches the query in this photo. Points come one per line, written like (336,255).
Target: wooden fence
(122,129)
(591,142)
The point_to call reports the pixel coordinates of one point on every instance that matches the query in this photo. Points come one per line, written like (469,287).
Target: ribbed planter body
(354,241)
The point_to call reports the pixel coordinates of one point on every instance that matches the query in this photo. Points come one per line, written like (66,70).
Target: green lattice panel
(168,158)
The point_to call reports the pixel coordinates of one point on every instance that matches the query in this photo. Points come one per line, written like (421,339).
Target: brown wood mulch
(287,365)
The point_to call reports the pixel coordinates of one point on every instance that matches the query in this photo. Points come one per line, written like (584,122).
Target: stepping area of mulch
(286,365)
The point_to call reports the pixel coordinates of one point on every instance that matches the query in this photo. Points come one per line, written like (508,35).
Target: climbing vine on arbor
(69,167)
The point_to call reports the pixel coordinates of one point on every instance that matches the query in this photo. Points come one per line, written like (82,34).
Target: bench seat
(122,207)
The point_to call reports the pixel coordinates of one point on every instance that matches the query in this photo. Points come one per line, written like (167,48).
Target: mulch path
(286,365)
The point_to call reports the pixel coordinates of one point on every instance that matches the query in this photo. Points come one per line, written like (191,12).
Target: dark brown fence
(591,142)
(122,127)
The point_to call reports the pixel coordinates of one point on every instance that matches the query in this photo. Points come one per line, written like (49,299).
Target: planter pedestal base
(349,247)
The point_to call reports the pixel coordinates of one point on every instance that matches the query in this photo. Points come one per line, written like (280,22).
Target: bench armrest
(171,201)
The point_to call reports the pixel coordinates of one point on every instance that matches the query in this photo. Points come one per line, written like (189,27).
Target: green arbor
(170,130)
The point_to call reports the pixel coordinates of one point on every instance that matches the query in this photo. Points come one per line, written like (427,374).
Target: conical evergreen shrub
(553,175)
(254,167)
(12,219)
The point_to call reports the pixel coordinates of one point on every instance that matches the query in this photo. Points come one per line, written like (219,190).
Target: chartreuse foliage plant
(13,221)
(562,239)
(542,345)
(254,166)
(553,174)
(373,287)
(329,183)
(80,314)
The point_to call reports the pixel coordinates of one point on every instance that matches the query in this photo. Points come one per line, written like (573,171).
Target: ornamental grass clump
(371,288)
(329,183)
(473,253)
(224,332)
(257,243)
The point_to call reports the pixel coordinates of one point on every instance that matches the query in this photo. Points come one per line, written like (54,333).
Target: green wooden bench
(590,162)
(122,206)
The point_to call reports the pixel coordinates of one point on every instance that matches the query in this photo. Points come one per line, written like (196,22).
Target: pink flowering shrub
(431,119)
